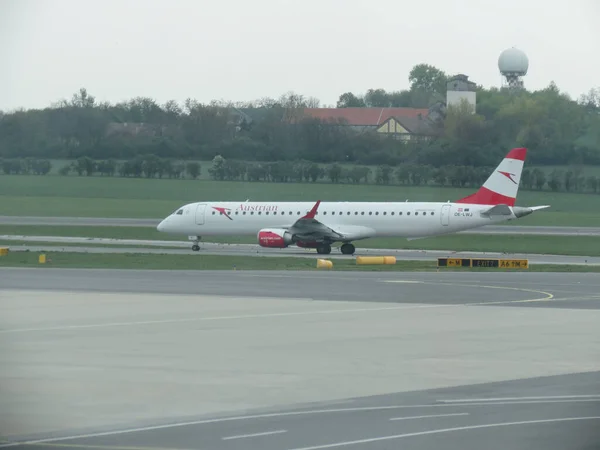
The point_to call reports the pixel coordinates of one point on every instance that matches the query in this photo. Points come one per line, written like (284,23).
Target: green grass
(213,262)
(153,198)
(564,245)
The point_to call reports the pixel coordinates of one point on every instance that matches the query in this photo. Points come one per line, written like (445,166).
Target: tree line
(557,130)
(301,171)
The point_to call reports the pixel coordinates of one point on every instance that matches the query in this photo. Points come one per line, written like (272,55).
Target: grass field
(153,198)
(213,262)
(565,245)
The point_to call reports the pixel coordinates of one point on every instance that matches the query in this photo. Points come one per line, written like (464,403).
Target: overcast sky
(247,49)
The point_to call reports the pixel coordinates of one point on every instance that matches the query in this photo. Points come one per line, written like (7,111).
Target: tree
(193,169)
(349,100)
(334,171)
(428,79)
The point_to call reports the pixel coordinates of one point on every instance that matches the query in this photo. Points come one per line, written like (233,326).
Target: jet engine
(274,238)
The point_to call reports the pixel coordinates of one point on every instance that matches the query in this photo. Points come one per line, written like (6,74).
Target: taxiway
(279,360)
(100,245)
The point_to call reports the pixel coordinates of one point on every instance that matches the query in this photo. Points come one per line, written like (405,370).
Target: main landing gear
(323,249)
(196,247)
(347,249)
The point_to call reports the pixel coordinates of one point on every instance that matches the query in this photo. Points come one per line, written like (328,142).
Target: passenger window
(392,213)
(432,213)
(370,213)
(384,213)
(377,213)
(356,213)
(408,213)
(213,213)
(362,213)
(244,213)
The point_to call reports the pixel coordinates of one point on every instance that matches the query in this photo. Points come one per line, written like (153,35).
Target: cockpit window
(180,212)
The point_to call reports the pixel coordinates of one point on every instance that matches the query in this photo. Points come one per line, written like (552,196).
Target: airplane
(319,225)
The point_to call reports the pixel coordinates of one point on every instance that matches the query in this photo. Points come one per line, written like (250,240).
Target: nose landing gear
(196,240)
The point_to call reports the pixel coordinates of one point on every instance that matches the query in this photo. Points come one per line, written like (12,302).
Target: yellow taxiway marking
(547,295)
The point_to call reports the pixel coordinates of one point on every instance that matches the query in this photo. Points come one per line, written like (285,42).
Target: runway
(250,250)
(123,359)
(152,223)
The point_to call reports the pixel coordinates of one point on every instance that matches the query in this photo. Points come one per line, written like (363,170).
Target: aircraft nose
(161,225)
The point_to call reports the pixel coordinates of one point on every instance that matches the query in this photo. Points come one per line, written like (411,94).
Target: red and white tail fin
(503,184)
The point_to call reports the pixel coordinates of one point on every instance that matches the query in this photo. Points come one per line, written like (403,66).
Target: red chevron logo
(508,175)
(224,211)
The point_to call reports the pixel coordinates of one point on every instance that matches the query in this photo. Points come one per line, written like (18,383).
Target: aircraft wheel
(347,249)
(324,249)
(195,247)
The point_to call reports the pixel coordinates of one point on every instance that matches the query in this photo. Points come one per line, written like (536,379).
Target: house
(400,123)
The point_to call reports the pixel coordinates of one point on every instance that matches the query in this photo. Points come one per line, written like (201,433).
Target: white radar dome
(513,61)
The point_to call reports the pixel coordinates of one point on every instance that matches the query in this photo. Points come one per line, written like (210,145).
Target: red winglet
(313,212)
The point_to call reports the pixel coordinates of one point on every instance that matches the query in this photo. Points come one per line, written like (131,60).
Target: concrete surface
(86,351)
(256,250)
(152,223)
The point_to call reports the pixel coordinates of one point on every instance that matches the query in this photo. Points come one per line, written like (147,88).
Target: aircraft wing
(309,228)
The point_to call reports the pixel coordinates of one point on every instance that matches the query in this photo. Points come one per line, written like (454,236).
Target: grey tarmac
(298,360)
(251,250)
(152,223)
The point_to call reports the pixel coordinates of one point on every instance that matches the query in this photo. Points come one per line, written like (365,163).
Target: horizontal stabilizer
(498,210)
(537,208)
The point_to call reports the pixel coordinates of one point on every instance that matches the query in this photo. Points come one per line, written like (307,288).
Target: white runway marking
(443,430)
(506,399)
(243,436)
(431,415)
(270,415)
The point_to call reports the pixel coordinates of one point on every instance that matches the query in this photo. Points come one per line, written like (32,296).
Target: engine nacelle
(274,238)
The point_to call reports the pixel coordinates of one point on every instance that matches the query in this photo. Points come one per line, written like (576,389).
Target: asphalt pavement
(250,250)
(122,359)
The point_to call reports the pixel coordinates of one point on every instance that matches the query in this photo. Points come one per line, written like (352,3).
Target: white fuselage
(368,219)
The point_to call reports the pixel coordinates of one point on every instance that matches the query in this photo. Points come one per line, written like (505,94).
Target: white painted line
(271,415)
(506,399)
(204,319)
(442,430)
(431,415)
(243,436)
